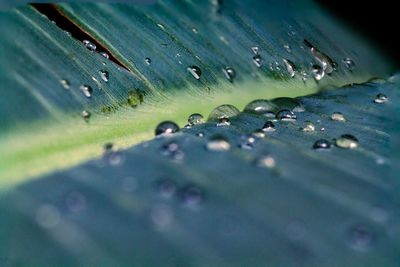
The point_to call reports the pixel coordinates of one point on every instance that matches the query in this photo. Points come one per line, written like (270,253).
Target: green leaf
(41,125)
(163,204)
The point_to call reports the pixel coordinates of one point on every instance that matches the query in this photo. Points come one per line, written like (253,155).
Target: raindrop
(324,60)
(286,115)
(166,128)
(347,141)
(348,63)
(65,83)
(223,111)
(380,98)
(166,188)
(261,107)
(337,116)
(195,71)
(361,237)
(192,197)
(105,76)
(217,144)
(291,68)
(322,144)
(308,126)
(268,127)
(147,60)
(265,161)
(255,49)
(75,202)
(229,73)
(289,103)
(172,150)
(195,118)
(223,121)
(105,55)
(257,61)
(89,45)
(86,115)
(87,90)
(317,72)
(247,142)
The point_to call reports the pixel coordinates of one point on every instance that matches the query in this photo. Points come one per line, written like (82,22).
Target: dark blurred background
(378,21)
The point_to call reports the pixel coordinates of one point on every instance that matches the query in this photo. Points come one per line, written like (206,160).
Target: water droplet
(288,49)
(258,133)
(261,107)
(87,90)
(161,26)
(89,45)
(65,83)
(247,142)
(223,111)
(192,197)
(322,144)
(86,115)
(166,128)
(166,188)
(324,60)
(195,119)
(172,150)
(308,126)
(200,134)
(217,144)
(223,121)
(194,30)
(288,103)
(75,202)
(268,127)
(286,115)
(257,61)
(304,76)
(337,116)
(380,98)
(291,68)
(105,55)
(265,161)
(47,216)
(229,73)
(361,237)
(317,72)
(347,141)
(105,76)
(255,49)
(195,71)
(348,63)
(147,60)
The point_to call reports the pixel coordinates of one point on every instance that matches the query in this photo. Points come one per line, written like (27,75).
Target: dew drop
(166,128)
(258,133)
(317,72)
(223,121)
(322,145)
(257,61)
(291,68)
(195,118)
(105,55)
(265,161)
(195,71)
(192,197)
(347,141)
(65,83)
(288,103)
(337,116)
(304,76)
(348,63)
(255,49)
(147,60)
(288,49)
(361,237)
(86,115)
(223,111)
(229,73)
(261,107)
(380,98)
(247,142)
(172,150)
(268,127)
(89,45)
(324,60)
(286,115)
(87,90)
(105,76)
(217,144)
(308,126)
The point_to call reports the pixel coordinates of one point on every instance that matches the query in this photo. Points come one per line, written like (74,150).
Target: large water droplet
(261,107)
(172,150)
(105,76)
(268,127)
(317,72)
(257,61)
(87,90)
(195,71)
(347,141)
(195,118)
(286,115)
(166,128)
(217,144)
(265,161)
(289,103)
(229,73)
(192,197)
(361,237)
(65,83)
(247,142)
(322,145)
(380,98)
(308,126)
(223,111)
(89,45)
(337,116)
(324,60)
(348,63)
(291,68)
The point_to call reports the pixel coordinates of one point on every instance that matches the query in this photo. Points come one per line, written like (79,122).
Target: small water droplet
(361,237)
(195,30)
(229,73)
(217,143)
(304,76)
(166,188)
(147,60)
(291,68)
(89,45)
(223,111)
(322,144)
(195,71)
(86,115)
(87,90)
(347,141)
(265,161)
(288,49)
(247,142)
(286,115)
(105,55)
(195,118)
(166,128)
(172,150)
(65,83)
(317,72)
(380,98)
(257,61)
(337,116)
(288,103)
(223,122)
(308,126)
(268,127)
(261,107)
(192,197)
(105,76)
(200,134)
(258,133)
(348,63)
(75,202)
(255,49)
